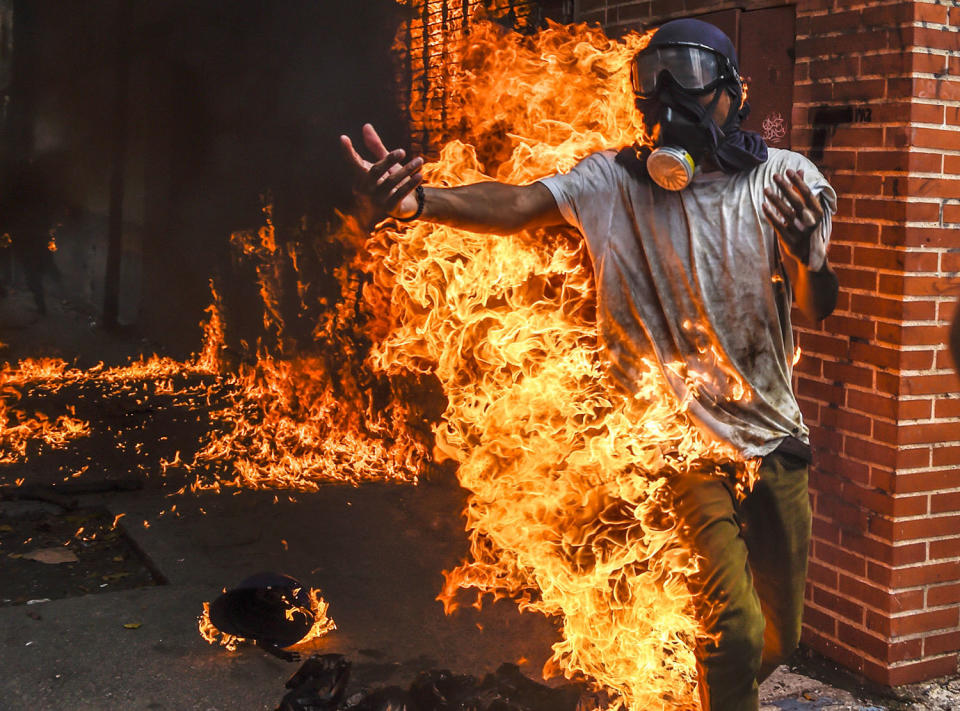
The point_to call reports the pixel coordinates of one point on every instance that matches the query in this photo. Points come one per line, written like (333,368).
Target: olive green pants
(752,574)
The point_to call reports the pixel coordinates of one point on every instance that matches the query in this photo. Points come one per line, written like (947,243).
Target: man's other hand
(796,214)
(386,185)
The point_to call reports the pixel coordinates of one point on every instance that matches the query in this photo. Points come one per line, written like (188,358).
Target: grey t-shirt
(694,280)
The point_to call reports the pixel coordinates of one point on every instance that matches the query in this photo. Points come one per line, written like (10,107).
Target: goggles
(694,68)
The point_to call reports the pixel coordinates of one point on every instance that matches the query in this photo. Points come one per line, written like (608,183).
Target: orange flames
(567,474)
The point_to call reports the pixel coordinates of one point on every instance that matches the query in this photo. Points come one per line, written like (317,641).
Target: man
(698,244)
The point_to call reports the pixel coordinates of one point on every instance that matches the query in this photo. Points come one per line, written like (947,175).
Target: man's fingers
(786,210)
(352,154)
(792,196)
(402,190)
(394,178)
(371,140)
(810,201)
(777,220)
(378,169)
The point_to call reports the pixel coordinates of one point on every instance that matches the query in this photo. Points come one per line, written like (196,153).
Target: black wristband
(421,201)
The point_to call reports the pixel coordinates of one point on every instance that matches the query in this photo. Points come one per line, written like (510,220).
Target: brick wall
(878,385)
(876,104)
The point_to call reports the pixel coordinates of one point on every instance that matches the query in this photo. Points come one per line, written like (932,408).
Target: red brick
(913,576)
(853,43)
(830,68)
(932,38)
(922,137)
(884,65)
(945,548)
(828,440)
(863,232)
(929,384)
(877,306)
(839,605)
(870,451)
(941,643)
(948,407)
(927,285)
(951,213)
(925,621)
(876,647)
(857,135)
(839,160)
(930,236)
(824,344)
(825,531)
(871,403)
(863,279)
(923,335)
(848,373)
(908,506)
(918,671)
(820,620)
(925,481)
(929,433)
(945,501)
(943,594)
(928,12)
(883,160)
(914,409)
(946,456)
(888,383)
(929,63)
(945,361)
(876,597)
(822,574)
(848,326)
(919,260)
(927,527)
(950,261)
(874,355)
(913,458)
(927,162)
(941,88)
(881,477)
(821,391)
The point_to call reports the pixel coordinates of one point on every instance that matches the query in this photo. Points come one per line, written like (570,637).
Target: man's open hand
(383,187)
(795,214)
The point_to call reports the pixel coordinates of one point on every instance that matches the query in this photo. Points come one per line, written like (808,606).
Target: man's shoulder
(780,159)
(597,166)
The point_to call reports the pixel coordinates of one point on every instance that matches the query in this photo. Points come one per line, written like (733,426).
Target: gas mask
(684,60)
(667,82)
(686,135)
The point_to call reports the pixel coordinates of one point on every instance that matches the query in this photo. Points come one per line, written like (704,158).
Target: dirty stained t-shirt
(694,281)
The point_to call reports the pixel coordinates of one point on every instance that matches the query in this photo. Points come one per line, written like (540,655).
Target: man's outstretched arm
(387,186)
(796,214)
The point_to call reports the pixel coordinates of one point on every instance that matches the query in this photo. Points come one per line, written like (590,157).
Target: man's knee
(739,631)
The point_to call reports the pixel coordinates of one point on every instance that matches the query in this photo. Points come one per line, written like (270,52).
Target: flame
(568,510)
